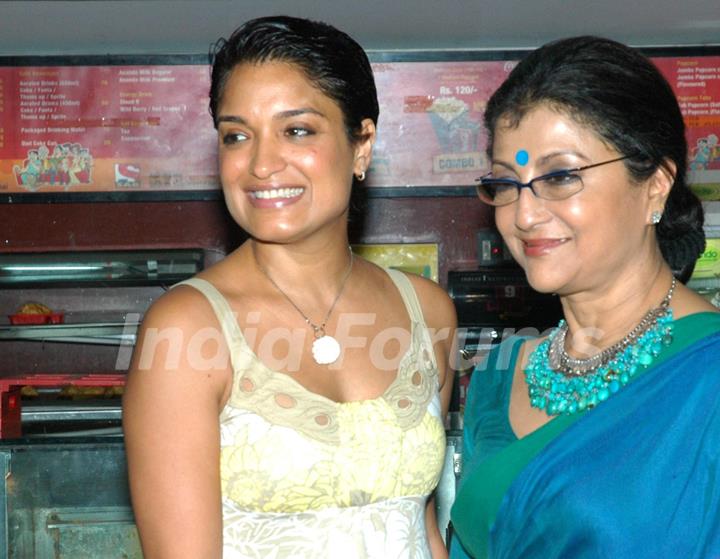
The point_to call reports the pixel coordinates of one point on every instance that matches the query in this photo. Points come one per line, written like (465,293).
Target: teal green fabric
(493,457)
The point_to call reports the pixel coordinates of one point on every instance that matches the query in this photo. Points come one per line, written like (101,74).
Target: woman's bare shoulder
(179,337)
(437,306)
(187,307)
(182,306)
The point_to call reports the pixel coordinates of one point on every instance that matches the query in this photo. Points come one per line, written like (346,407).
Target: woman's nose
(530,210)
(266,157)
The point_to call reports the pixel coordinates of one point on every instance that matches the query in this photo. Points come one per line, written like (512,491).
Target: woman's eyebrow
(546,158)
(282,115)
(297,112)
(231,118)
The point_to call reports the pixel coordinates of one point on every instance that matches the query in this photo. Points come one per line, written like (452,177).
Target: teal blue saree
(636,477)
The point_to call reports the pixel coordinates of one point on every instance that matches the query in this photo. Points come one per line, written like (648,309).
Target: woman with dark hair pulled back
(601,438)
(293,432)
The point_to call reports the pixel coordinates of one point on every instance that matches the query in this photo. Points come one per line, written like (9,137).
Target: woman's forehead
(543,128)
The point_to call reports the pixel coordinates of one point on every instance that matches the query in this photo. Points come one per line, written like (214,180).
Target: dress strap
(402,282)
(412,303)
(225,316)
(425,360)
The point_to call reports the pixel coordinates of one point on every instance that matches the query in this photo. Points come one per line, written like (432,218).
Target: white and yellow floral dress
(306,477)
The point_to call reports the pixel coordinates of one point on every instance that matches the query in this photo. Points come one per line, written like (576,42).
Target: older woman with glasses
(601,438)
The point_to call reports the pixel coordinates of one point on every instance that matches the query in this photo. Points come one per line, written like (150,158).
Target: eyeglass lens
(557,185)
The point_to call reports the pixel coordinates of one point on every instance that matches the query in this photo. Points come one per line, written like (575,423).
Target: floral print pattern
(324,479)
(390,529)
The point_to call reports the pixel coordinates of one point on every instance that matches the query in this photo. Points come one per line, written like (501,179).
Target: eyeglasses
(557,185)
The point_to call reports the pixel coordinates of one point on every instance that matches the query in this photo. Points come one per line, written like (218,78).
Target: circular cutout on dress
(246,385)
(322,419)
(404,403)
(285,401)
(416,379)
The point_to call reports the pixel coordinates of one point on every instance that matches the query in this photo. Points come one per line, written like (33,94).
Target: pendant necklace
(561,384)
(325,348)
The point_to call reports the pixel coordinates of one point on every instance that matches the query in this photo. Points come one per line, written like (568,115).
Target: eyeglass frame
(520,185)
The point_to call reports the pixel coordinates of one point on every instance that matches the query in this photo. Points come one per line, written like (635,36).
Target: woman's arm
(173,396)
(437,544)
(441,318)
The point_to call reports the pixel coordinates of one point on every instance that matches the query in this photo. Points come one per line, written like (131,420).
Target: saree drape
(637,477)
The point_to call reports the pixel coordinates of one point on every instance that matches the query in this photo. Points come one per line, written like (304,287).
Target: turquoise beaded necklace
(560,384)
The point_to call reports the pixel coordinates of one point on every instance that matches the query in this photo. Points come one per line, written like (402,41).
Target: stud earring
(360,176)
(656,217)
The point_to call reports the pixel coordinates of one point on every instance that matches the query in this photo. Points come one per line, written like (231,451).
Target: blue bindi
(522,157)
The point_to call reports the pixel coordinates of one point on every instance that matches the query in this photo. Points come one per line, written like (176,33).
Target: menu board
(430,131)
(696,82)
(106,128)
(146,128)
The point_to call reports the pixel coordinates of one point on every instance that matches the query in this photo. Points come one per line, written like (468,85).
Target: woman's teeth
(277,193)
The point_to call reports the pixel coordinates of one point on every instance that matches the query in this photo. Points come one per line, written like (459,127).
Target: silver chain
(318,330)
(560,361)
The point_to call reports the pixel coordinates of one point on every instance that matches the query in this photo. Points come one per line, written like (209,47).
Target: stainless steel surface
(55,418)
(71,411)
(106,268)
(116,333)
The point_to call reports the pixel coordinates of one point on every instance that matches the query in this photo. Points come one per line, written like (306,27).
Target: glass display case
(69,319)
(66,498)
(68,322)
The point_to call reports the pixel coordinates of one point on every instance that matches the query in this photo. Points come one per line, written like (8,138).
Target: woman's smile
(541,247)
(275,197)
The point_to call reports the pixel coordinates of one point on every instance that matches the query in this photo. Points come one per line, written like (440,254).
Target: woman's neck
(600,317)
(314,272)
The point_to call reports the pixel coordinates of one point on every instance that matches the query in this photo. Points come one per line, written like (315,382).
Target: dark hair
(624,98)
(331,59)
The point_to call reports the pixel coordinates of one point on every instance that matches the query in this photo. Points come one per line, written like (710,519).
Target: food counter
(66,498)
(62,458)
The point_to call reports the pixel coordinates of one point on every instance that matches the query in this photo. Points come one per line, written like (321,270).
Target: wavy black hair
(623,97)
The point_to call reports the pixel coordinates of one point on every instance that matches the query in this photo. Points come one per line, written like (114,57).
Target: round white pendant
(325,350)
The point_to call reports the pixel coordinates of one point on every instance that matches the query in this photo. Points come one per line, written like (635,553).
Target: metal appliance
(62,457)
(492,304)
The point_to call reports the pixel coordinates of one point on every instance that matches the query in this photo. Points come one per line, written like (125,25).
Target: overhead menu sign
(696,82)
(138,128)
(106,128)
